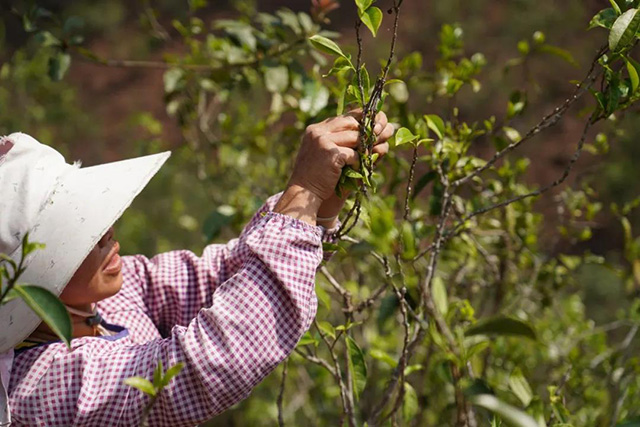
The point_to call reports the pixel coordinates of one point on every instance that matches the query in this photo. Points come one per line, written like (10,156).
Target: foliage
(44,303)
(153,389)
(452,299)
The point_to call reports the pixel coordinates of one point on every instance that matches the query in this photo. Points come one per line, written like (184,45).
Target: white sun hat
(63,206)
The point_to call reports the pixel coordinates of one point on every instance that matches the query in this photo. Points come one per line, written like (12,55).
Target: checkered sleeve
(174,286)
(256,317)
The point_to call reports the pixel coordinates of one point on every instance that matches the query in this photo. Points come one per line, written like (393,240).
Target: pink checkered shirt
(231,316)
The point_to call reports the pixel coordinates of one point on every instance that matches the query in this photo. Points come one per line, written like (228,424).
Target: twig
(548,121)
(333,282)
(348,410)
(565,174)
(318,361)
(410,182)
(281,395)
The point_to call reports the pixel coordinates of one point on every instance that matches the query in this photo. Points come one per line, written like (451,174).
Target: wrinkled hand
(326,148)
(329,146)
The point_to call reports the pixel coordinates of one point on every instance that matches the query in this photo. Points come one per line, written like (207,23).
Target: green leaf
(315,97)
(502,325)
(325,45)
(383,356)
(399,91)
(351,173)
(410,405)
(307,339)
(372,18)
(615,6)
(633,422)
(605,19)
(357,366)
(512,416)
(363,5)
(327,328)
(171,373)
(157,374)
(633,75)
(520,387)
(624,30)
(404,136)
(560,53)
(58,66)
(439,292)
(49,308)
(333,247)
(436,124)
(276,79)
(173,79)
(142,384)
(512,134)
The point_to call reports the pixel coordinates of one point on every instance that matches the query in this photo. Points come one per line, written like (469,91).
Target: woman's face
(100,275)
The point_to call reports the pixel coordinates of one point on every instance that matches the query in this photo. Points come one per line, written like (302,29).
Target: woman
(229,316)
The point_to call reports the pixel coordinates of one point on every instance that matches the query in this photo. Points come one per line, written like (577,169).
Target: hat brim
(85,203)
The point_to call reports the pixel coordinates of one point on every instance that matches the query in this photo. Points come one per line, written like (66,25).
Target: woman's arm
(172,287)
(255,320)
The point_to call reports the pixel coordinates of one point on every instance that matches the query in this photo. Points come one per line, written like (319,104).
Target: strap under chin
(94,320)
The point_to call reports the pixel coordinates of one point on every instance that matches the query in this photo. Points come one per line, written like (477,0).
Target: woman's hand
(326,148)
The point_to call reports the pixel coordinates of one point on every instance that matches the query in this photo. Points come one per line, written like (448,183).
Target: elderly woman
(230,316)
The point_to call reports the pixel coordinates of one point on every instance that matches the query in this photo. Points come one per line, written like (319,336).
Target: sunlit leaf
(307,339)
(326,45)
(171,373)
(142,384)
(440,298)
(404,136)
(157,374)
(520,387)
(357,366)
(605,19)
(372,18)
(502,325)
(363,5)
(410,405)
(436,124)
(633,76)
(383,356)
(327,328)
(510,415)
(624,30)
(49,308)
(276,79)
(58,65)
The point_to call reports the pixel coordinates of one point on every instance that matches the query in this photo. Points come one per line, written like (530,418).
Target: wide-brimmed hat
(63,206)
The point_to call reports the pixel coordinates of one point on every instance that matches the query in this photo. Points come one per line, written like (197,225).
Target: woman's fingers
(349,157)
(381,123)
(351,138)
(347,138)
(386,133)
(381,149)
(340,123)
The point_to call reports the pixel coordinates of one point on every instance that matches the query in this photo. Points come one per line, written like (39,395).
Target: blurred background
(104,112)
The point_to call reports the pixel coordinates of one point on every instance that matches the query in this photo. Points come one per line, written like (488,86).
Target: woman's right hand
(326,148)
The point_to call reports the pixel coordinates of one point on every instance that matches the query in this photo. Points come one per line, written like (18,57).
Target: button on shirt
(230,316)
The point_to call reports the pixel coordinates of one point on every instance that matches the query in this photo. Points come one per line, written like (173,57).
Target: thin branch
(547,122)
(565,174)
(333,282)
(410,182)
(318,361)
(281,395)
(91,57)
(348,410)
